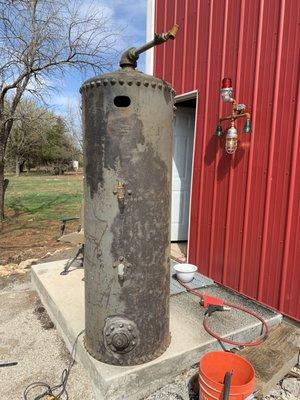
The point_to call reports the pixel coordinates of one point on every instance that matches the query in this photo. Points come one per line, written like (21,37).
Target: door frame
(194,94)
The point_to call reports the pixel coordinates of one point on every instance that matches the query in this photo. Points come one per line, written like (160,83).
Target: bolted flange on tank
(127,119)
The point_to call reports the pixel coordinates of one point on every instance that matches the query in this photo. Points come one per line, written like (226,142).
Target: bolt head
(120,341)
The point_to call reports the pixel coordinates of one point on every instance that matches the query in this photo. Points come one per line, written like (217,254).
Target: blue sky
(129,18)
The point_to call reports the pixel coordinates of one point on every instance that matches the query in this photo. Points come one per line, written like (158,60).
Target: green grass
(45,197)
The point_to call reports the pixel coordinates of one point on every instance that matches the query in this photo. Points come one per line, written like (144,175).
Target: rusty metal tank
(127,118)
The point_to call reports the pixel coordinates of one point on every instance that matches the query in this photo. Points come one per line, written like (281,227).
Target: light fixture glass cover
(231,140)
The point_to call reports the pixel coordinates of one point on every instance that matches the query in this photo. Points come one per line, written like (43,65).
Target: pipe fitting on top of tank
(130,56)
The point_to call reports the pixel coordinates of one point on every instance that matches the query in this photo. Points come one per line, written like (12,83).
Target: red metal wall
(245,214)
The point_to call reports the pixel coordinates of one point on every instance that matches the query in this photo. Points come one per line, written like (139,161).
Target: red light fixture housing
(226,83)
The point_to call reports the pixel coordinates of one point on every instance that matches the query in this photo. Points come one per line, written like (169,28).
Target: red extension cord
(208,300)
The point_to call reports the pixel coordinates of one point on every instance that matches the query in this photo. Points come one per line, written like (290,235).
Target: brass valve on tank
(119,191)
(238,111)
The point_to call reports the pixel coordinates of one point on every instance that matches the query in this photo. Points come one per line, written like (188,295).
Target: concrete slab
(63,297)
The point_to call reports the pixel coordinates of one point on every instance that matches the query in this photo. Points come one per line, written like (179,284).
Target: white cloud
(62,103)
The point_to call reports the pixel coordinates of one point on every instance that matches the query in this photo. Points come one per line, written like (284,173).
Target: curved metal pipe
(130,56)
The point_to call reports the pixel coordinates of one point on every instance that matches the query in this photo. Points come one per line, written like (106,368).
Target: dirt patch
(12,274)
(13,279)
(21,241)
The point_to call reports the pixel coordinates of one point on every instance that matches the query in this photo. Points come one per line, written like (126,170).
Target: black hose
(46,389)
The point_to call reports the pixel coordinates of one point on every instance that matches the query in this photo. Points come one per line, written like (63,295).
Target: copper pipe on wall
(233,117)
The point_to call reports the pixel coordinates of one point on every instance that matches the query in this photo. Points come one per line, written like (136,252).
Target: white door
(183,140)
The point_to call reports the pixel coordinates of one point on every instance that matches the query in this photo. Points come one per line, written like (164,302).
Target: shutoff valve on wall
(238,111)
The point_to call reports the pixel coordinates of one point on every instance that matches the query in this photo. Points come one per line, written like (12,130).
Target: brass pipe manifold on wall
(238,111)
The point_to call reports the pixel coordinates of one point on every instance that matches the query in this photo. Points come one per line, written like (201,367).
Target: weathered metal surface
(245,212)
(128,158)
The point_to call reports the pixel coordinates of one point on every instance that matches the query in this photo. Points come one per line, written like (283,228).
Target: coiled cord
(256,342)
(48,392)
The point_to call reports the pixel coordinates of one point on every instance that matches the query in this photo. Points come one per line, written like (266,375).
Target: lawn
(34,206)
(44,197)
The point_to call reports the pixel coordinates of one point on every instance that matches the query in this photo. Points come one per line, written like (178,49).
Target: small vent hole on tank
(122,101)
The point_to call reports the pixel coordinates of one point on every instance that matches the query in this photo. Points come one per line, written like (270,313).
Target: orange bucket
(212,369)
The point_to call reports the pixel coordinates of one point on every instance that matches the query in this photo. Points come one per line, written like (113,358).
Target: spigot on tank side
(130,56)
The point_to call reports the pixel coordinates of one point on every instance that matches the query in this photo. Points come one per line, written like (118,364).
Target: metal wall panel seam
(158,67)
(285,126)
(271,154)
(191,32)
(196,46)
(230,184)
(193,177)
(290,204)
(200,202)
(175,47)
(164,47)
(245,93)
(200,74)
(182,86)
(192,174)
(170,49)
(218,156)
(251,152)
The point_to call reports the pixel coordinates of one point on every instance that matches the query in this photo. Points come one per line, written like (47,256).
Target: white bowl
(185,272)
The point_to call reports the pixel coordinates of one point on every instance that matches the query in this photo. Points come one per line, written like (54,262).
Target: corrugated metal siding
(245,216)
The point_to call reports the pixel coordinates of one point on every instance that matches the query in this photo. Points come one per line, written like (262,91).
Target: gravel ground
(29,337)
(288,388)
(181,389)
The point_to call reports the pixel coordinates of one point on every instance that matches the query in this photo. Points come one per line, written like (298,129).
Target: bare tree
(74,124)
(42,38)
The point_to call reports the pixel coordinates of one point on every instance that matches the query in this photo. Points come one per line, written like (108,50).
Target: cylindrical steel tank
(127,118)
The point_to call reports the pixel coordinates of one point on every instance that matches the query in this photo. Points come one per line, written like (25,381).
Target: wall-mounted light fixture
(238,111)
